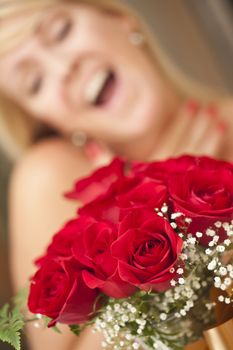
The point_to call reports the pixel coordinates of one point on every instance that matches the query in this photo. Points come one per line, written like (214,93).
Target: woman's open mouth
(100,89)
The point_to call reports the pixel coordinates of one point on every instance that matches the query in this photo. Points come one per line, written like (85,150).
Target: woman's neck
(144,146)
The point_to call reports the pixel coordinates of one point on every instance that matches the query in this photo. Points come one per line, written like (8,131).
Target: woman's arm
(37,210)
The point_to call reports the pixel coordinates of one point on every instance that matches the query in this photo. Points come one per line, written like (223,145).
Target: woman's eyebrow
(21,70)
(21,66)
(43,22)
(46,18)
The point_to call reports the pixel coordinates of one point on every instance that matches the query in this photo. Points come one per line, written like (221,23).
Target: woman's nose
(55,64)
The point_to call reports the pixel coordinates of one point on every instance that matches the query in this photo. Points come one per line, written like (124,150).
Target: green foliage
(11,325)
(76,329)
(46,322)
(20,299)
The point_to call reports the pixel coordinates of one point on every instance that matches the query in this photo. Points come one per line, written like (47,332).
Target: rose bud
(147,249)
(59,292)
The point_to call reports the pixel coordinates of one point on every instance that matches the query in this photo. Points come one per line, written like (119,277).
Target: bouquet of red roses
(140,258)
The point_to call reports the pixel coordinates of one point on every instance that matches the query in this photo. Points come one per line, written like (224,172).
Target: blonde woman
(81,81)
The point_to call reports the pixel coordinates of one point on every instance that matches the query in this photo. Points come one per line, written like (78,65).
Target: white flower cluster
(223,274)
(114,325)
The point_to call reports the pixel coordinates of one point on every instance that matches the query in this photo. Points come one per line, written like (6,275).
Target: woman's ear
(132,29)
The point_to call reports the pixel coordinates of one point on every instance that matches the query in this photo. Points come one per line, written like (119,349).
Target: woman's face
(79,71)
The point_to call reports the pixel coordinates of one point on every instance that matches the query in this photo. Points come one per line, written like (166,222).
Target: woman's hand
(194,130)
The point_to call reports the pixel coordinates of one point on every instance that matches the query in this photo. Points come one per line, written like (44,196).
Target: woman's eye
(60,29)
(35,86)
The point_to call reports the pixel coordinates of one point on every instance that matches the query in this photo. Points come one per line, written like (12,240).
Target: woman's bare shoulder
(52,157)
(42,176)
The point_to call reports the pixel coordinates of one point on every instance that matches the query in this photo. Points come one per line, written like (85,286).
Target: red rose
(93,250)
(91,187)
(147,249)
(204,195)
(123,196)
(145,194)
(59,292)
(106,206)
(159,171)
(213,164)
(62,242)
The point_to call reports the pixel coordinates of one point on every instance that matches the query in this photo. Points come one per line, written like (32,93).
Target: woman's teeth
(96,87)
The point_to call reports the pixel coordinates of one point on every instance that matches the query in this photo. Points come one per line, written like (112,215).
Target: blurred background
(198,38)
(5,289)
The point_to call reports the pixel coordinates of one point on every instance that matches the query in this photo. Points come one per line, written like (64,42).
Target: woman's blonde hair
(17,128)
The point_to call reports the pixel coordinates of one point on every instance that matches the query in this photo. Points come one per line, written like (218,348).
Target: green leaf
(11,324)
(55,328)
(20,299)
(76,329)
(4,311)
